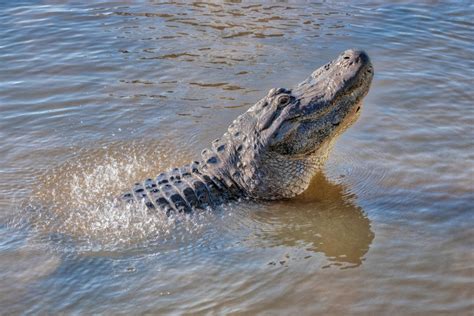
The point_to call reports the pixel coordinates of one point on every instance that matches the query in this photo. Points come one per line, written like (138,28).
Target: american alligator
(271,151)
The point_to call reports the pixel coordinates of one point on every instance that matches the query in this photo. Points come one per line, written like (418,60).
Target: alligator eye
(283,100)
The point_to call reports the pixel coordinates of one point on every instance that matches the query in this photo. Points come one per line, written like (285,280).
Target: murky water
(95,96)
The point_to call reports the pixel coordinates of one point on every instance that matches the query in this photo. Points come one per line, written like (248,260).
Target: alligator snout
(355,56)
(355,61)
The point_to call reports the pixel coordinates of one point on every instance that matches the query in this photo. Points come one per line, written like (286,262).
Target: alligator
(273,149)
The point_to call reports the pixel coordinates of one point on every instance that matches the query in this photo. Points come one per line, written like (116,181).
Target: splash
(77,203)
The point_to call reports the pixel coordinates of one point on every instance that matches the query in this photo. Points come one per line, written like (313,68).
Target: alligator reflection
(324,219)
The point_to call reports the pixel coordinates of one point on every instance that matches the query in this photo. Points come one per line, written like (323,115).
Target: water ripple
(88,89)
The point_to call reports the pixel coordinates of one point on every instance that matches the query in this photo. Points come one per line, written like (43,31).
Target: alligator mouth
(351,96)
(341,83)
(328,102)
(356,88)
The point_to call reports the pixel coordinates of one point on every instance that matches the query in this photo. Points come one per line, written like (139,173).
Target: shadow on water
(324,219)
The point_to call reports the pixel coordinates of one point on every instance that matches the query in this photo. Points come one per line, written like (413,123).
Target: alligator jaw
(328,102)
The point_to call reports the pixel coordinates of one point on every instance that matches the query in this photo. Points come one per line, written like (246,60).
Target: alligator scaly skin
(272,150)
(183,190)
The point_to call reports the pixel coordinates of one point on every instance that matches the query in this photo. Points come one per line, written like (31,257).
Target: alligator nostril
(358,108)
(346,57)
(369,71)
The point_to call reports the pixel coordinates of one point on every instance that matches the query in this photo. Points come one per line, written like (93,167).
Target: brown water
(95,96)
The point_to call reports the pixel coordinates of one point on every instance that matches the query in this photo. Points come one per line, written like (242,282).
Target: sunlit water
(98,95)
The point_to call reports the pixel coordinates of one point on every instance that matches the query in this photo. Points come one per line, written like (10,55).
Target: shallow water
(95,96)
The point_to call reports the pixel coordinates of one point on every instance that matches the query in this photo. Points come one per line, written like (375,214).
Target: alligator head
(273,150)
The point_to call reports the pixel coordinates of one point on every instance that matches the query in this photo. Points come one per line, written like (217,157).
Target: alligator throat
(273,149)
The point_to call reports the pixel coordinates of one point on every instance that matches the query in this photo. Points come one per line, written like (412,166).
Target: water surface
(96,96)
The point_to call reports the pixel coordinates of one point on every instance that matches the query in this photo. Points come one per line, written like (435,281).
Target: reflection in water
(323,219)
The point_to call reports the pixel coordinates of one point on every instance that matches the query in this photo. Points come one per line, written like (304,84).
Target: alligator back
(181,190)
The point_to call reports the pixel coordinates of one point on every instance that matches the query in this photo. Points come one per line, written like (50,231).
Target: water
(95,96)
